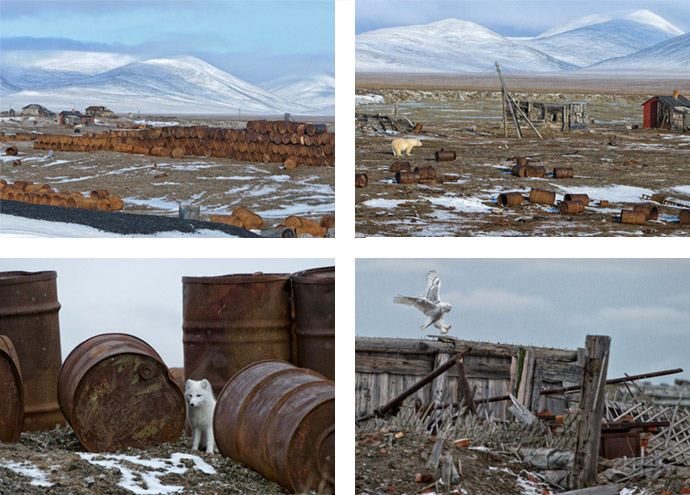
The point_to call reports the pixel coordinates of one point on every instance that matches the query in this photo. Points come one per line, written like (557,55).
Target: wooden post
(592,395)
(467,396)
(508,101)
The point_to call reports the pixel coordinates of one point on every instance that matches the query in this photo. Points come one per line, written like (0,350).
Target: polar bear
(406,145)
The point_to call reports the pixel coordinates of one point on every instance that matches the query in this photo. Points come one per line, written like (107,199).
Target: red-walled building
(667,112)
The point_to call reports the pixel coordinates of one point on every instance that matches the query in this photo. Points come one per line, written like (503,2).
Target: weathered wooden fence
(386,367)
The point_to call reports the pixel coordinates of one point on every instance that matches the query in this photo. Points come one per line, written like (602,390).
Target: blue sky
(254,40)
(642,304)
(506,17)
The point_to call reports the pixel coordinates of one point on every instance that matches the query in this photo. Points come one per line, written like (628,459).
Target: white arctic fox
(200,407)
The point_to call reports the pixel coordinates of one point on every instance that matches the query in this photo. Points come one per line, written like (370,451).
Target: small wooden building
(37,110)
(75,118)
(667,112)
(569,116)
(99,111)
(386,367)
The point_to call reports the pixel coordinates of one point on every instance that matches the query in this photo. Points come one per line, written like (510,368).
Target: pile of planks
(43,194)
(290,143)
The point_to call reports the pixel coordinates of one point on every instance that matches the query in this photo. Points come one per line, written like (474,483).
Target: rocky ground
(614,162)
(55,463)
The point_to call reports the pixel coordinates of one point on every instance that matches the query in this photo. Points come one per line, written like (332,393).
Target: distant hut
(99,111)
(568,116)
(667,112)
(36,110)
(75,118)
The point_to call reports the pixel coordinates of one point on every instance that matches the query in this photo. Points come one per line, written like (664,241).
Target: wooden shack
(569,116)
(99,111)
(386,367)
(75,118)
(667,112)
(37,110)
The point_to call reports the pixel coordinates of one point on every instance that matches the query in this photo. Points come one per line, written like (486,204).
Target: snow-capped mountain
(672,55)
(449,45)
(318,90)
(452,45)
(178,85)
(598,38)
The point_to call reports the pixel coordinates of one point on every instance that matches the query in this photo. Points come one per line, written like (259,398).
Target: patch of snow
(383,203)
(160,203)
(465,205)
(369,100)
(38,477)
(615,193)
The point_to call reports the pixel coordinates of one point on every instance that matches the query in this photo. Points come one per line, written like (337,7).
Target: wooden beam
(592,396)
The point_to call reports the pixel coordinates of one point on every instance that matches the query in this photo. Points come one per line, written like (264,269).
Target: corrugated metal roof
(671,101)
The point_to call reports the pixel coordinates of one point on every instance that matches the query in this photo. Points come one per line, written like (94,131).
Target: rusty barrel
(534,171)
(29,317)
(12,403)
(650,210)
(397,166)
(314,302)
(571,207)
(684,217)
(521,161)
(542,196)
(509,199)
(280,421)
(232,321)
(116,392)
(633,217)
(425,172)
(361,180)
(445,156)
(563,172)
(11,151)
(577,197)
(407,177)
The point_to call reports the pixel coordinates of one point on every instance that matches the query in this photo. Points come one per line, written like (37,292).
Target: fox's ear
(205,383)
(186,384)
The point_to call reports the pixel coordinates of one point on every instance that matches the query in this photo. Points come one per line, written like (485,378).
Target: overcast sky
(643,304)
(138,297)
(506,17)
(254,40)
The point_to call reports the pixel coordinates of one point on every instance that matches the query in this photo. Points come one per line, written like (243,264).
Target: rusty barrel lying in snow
(29,317)
(509,199)
(650,210)
(314,298)
(542,196)
(577,197)
(571,207)
(280,421)
(12,403)
(231,321)
(116,392)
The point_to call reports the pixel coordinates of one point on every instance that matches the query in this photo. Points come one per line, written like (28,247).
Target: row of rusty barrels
(247,219)
(540,171)
(116,392)
(285,127)
(20,136)
(43,194)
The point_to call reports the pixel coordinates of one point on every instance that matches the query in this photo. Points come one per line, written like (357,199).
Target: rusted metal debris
(116,392)
(280,421)
(314,302)
(231,321)
(663,200)
(29,317)
(12,404)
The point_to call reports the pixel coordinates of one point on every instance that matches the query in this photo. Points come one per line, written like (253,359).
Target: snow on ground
(14,226)
(369,100)
(682,189)
(615,194)
(38,476)
(147,481)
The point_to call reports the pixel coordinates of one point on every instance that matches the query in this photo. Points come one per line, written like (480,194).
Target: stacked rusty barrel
(20,136)
(291,143)
(43,194)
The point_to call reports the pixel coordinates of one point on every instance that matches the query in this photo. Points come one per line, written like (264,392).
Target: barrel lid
(238,278)
(323,275)
(19,277)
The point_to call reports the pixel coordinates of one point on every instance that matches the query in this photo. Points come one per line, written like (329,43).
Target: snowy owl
(430,303)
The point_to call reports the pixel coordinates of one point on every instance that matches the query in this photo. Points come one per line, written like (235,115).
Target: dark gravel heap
(116,222)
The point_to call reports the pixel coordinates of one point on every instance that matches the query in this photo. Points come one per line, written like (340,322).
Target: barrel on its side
(280,421)
(232,321)
(577,197)
(29,317)
(116,392)
(542,196)
(633,217)
(650,210)
(12,403)
(445,155)
(509,199)
(361,180)
(314,296)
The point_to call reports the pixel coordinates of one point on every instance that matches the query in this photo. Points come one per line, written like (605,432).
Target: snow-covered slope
(672,55)
(179,85)
(315,90)
(450,45)
(602,37)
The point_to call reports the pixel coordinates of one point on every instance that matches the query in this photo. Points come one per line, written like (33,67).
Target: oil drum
(116,392)
(231,321)
(12,403)
(280,421)
(314,300)
(29,317)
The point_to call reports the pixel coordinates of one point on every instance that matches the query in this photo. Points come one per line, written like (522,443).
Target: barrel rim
(7,348)
(322,275)
(23,277)
(237,278)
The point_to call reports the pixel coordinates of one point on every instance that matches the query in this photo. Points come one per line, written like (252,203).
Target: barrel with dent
(314,299)
(280,421)
(29,317)
(232,321)
(116,392)
(12,403)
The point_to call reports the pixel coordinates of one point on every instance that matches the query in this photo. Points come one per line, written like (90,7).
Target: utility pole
(508,101)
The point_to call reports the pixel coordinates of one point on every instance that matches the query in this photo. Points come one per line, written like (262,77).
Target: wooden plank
(592,397)
(401,345)
(375,364)
(465,389)
(435,456)
(525,389)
